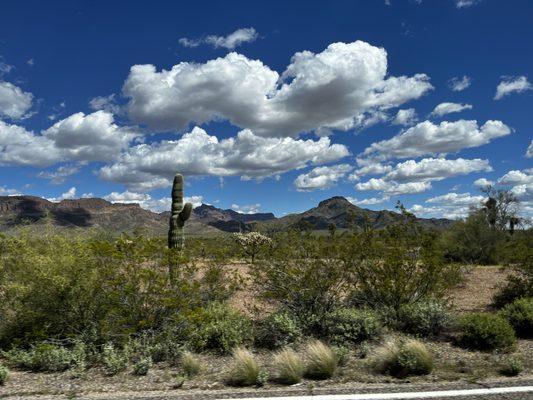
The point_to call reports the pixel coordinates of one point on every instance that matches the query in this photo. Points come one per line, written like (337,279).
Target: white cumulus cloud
(448,108)
(321,177)
(14,102)
(406,117)
(510,85)
(234,39)
(459,84)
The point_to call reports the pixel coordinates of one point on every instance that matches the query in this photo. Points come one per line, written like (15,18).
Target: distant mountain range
(36,212)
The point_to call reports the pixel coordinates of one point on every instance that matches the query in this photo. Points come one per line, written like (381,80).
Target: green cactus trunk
(179,214)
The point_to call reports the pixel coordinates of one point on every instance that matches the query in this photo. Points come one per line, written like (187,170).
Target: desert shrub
(277,330)
(190,364)
(321,361)
(520,315)
(342,353)
(220,328)
(349,325)
(512,367)
(304,276)
(402,264)
(252,243)
(46,357)
(483,331)
(402,358)
(142,366)
(4,374)
(114,360)
(288,366)
(426,318)
(245,371)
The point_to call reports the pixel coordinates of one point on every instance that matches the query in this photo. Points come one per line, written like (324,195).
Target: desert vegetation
(356,304)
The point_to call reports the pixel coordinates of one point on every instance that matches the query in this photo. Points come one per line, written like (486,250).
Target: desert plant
(142,366)
(245,371)
(483,331)
(321,361)
(288,366)
(402,358)
(114,360)
(512,367)
(252,243)
(219,328)
(349,325)
(190,364)
(46,357)
(277,330)
(178,215)
(520,315)
(4,374)
(425,318)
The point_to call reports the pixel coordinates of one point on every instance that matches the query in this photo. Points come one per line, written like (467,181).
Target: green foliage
(512,367)
(425,318)
(520,315)
(277,330)
(142,366)
(4,374)
(219,328)
(114,360)
(190,364)
(402,358)
(288,366)
(245,371)
(47,357)
(483,331)
(321,361)
(350,325)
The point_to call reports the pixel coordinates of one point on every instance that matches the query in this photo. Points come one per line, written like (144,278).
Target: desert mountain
(36,212)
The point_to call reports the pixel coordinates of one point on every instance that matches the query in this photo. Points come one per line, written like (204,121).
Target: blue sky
(268,106)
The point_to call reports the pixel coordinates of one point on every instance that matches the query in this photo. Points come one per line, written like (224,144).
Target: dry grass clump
(402,358)
(321,361)
(190,364)
(288,366)
(245,370)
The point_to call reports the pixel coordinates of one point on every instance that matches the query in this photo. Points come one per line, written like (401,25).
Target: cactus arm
(179,214)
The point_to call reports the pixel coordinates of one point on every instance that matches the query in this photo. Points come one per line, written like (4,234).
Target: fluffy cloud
(234,39)
(321,177)
(517,177)
(148,202)
(247,209)
(406,117)
(368,202)
(435,169)
(448,108)
(483,182)
(14,102)
(529,152)
(68,195)
(4,191)
(510,85)
(339,88)
(451,205)
(106,103)
(429,138)
(390,188)
(92,137)
(60,175)
(148,166)
(465,3)
(459,84)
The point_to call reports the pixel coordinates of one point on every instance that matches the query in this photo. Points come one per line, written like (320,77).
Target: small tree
(252,243)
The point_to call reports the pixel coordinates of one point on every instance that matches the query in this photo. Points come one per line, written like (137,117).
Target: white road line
(400,396)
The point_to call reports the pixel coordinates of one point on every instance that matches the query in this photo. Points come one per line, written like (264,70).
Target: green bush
(402,358)
(219,328)
(114,360)
(288,366)
(4,374)
(425,318)
(46,358)
(277,330)
(482,331)
(512,367)
(321,361)
(520,315)
(350,325)
(190,364)
(142,366)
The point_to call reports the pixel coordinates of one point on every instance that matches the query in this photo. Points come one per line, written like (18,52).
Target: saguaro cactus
(179,214)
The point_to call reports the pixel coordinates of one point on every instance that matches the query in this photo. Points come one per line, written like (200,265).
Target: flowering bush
(252,243)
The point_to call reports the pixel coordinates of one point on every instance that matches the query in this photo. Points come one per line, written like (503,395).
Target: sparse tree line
(74,303)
